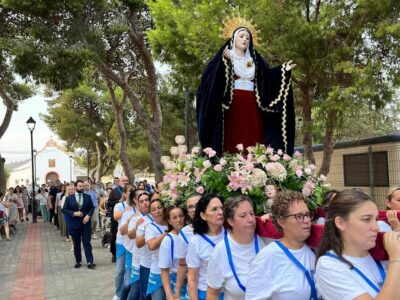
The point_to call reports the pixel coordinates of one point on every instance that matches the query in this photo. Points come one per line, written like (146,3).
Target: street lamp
(34,155)
(70,168)
(31,126)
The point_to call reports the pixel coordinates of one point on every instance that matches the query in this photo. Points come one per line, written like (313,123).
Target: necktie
(79,200)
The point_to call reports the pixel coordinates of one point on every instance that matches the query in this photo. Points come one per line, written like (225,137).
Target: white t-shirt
(198,254)
(182,245)
(273,275)
(144,252)
(131,245)
(151,232)
(42,198)
(335,279)
(165,257)
(221,275)
(125,216)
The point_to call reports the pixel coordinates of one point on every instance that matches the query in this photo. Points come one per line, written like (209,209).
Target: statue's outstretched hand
(228,53)
(290,65)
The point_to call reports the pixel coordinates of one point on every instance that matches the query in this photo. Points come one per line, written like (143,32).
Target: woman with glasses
(345,269)
(208,232)
(154,235)
(285,268)
(185,235)
(231,258)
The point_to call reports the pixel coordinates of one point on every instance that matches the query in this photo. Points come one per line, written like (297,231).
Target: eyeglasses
(300,216)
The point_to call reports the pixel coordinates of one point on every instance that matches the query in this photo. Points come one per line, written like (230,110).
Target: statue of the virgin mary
(241,100)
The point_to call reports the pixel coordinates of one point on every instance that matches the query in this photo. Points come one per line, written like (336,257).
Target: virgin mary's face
(242,40)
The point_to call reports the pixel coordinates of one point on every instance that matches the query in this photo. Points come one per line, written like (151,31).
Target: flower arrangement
(246,172)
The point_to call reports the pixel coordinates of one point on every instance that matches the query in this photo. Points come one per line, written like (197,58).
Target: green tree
(64,37)
(347,52)
(12,91)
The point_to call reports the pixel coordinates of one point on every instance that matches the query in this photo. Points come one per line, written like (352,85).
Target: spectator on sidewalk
(20,203)
(54,190)
(4,218)
(79,208)
(11,198)
(25,197)
(43,197)
(90,189)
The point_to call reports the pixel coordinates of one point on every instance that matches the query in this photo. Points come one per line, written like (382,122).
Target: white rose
(180,139)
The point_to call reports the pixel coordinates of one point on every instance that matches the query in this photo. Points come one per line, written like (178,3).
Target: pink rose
(297,154)
(286,157)
(207,150)
(206,164)
(249,167)
(322,178)
(200,189)
(307,171)
(212,153)
(222,162)
(218,168)
(270,150)
(280,152)
(239,147)
(299,173)
(275,157)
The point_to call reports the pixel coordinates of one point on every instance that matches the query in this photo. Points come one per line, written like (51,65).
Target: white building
(51,163)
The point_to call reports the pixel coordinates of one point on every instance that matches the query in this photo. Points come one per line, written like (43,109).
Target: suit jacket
(71,206)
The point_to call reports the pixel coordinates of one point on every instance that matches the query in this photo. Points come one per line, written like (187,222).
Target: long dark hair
(199,225)
(344,203)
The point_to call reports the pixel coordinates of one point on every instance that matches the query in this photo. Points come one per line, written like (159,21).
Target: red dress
(243,122)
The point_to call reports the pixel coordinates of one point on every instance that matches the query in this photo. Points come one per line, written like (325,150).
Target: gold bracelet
(394,260)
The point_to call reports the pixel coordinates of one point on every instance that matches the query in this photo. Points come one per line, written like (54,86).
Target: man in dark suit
(79,208)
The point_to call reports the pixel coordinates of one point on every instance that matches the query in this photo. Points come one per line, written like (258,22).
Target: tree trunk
(150,125)
(3,181)
(307,135)
(153,138)
(329,142)
(119,114)
(101,160)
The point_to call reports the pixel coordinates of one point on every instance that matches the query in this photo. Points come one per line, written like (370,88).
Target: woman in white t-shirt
(284,270)
(42,197)
(185,235)
(208,231)
(345,269)
(143,205)
(127,210)
(168,262)
(231,258)
(154,235)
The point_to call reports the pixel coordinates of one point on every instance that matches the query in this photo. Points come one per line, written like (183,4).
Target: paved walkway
(38,264)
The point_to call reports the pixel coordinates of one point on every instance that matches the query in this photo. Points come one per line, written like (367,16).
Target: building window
(357,170)
(52,163)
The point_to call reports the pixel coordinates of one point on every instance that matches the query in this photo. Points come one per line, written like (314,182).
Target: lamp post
(70,168)
(31,126)
(34,155)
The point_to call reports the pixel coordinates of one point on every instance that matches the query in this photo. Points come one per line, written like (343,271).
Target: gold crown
(233,23)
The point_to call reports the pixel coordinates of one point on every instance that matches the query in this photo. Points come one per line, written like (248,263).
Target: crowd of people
(209,248)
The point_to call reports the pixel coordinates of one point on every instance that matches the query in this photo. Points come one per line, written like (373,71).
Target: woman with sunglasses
(208,232)
(285,268)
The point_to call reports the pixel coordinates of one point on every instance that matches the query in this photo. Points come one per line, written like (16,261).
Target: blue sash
(172,248)
(203,294)
(135,276)
(183,236)
(120,250)
(150,218)
(230,259)
(158,227)
(207,239)
(172,281)
(128,260)
(301,267)
(363,276)
(154,284)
